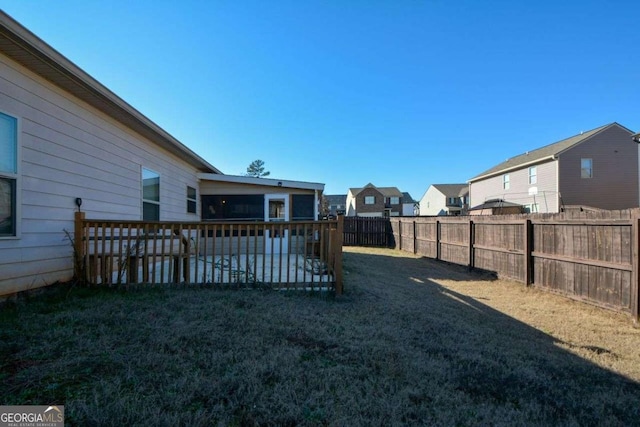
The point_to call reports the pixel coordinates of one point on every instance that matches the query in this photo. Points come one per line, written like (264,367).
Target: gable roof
(452,190)
(386,191)
(547,152)
(27,49)
(406,198)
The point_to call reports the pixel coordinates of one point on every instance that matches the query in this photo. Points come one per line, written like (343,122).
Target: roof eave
(267,182)
(27,49)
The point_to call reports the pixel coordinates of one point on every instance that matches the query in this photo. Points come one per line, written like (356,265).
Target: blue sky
(397,93)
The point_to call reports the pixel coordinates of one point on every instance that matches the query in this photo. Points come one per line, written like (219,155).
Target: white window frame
(583,168)
(369,200)
(506,181)
(17,178)
(154,202)
(194,199)
(533,175)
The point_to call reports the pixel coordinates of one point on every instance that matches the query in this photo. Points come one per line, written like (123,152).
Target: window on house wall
(369,200)
(505,181)
(394,200)
(453,200)
(245,207)
(586,168)
(303,207)
(533,175)
(532,208)
(8,175)
(192,200)
(150,195)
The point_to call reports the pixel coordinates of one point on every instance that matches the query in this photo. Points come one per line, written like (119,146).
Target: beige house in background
(445,199)
(598,168)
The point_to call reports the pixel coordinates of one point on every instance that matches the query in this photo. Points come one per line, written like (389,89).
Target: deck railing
(283,255)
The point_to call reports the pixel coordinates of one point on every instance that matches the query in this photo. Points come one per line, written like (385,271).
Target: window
(586,168)
(8,175)
(533,175)
(394,200)
(192,200)
(150,195)
(303,207)
(453,200)
(248,207)
(505,181)
(532,208)
(369,200)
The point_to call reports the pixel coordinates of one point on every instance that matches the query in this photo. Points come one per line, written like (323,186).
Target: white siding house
(63,137)
(444,199)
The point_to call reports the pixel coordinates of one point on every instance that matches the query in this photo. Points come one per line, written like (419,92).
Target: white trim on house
(267,182)
(17,176)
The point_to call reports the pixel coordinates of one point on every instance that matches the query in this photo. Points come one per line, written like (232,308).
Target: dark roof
(406,198)
(547,151)
(452,190)
(336,199)
(494,203)
(386,191)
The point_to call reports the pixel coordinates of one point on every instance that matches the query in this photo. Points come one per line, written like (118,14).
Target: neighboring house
(496,207)
(445,199)
(598,168)
(65,139)
(374,201)
(409,206)
(336,204)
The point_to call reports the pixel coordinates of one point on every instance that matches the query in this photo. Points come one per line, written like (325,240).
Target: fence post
(471,243)
(635,267)
(437,239)
(527,252)
(415,240)
(338,255)
(78,247)
(399,234)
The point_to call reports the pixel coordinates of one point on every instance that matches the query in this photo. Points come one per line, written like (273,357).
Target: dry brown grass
(411,342)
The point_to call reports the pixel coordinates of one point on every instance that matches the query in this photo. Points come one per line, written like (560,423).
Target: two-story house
(598,168)
(445,199)
(336,204)
(374,201)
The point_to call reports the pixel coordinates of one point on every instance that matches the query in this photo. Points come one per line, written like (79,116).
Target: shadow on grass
(490,357)
(396,349)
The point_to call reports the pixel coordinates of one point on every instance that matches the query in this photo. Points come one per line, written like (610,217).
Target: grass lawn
(412,341)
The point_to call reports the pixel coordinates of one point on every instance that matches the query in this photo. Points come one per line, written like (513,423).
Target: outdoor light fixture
(279,183)
(78,203)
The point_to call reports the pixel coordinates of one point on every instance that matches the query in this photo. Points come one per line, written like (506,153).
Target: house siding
(69,150)
(376,209)
(614,184)
(433,202)
(519,188)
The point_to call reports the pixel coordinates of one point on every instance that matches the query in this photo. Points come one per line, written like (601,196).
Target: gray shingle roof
(540,153)
(336,199)
(453,190)
(386,191)
(406,198)
(494,203)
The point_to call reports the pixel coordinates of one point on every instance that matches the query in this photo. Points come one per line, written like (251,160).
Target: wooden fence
(289,255)
(363,231)
(591,257)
